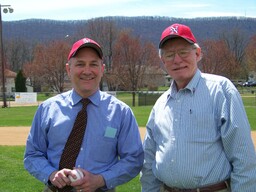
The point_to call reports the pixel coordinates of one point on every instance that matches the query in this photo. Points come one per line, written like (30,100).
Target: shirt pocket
(104,150)
(204,128)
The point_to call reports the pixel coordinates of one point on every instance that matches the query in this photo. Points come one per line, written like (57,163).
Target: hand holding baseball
(78,173)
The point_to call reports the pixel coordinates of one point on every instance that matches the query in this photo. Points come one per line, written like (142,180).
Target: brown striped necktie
(74,142)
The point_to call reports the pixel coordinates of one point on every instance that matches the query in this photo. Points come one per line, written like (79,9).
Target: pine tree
(20,82)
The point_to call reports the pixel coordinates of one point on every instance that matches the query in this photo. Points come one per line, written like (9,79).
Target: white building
(10,83)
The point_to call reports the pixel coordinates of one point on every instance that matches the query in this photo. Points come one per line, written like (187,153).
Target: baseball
(79,175)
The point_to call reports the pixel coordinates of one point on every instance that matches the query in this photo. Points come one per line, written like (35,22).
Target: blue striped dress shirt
(199,136)
(111,146)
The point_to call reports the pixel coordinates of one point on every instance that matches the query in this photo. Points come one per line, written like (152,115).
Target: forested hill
(148,28)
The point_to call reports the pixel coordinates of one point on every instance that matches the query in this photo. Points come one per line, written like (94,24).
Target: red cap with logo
(85,42)
(177,30)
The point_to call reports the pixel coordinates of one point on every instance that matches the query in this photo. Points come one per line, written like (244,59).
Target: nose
(177,57)
(86,69)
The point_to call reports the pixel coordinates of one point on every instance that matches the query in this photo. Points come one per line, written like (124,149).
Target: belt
(209,188)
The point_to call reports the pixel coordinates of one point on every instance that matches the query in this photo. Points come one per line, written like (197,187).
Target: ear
(198,54)
(68,69)
(103,67)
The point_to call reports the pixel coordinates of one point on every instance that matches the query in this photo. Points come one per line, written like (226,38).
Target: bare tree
(33,70)
(55,72)
(218,59)
(130,59)
(48,66)
(237,42)
(18,52)
(251,54)
(31,73)
(105,32)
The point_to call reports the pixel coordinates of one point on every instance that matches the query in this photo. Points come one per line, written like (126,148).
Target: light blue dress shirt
(199,136)
(111,146)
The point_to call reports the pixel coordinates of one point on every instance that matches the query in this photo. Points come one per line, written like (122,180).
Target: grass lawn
(13,177)
(17,116)
(22,116)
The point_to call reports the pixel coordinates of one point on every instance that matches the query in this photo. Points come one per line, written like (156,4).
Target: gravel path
(18,135)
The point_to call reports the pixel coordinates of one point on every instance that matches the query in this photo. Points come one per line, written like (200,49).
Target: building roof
(9,73)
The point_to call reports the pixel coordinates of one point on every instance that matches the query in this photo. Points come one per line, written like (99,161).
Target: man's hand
(60,178)
(89,183)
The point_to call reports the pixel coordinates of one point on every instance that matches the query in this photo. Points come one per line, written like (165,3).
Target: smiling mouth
(86,78)
(180,68)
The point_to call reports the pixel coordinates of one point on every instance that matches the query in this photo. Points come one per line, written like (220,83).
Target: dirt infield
(18,135)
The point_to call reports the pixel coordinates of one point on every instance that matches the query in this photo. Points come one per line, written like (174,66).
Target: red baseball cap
(177,30)
(85,42)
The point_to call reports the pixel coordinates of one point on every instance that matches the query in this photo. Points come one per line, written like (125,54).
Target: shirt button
(176,120)
(172,160)
(81,149)
(79,166)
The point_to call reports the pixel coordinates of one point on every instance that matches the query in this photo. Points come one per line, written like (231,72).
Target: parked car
(238,83)
(250,84)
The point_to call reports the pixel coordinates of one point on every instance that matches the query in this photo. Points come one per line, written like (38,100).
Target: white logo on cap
(174,29)
(86,40)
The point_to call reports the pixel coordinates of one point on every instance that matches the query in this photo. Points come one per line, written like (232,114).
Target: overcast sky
(87,9)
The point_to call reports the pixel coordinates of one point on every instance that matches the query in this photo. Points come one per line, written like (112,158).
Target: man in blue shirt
(111,151)
(198,135)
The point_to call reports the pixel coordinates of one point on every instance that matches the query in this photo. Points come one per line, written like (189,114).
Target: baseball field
(14,128)
(14,136)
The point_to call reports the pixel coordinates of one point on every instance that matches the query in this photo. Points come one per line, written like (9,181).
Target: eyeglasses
(183,53)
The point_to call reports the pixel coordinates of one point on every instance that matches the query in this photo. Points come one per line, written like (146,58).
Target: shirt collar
(75,97)
(191,86)
(194,82)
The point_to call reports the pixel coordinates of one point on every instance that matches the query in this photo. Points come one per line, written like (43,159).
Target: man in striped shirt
(198,135)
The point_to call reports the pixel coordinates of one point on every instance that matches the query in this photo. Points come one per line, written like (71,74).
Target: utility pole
(7,9)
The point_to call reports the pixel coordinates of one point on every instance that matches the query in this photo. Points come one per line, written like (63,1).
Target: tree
(54,67)
(20,82)
(251,54)
(33,69)
(18,52)
(218,59)
(237,42)
(105,32)
(48,65)
(130,59)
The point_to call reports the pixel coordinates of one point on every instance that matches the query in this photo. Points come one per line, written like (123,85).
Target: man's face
(180,59)
(85,71)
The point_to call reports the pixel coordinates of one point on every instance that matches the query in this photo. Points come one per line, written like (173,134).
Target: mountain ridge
(148,28)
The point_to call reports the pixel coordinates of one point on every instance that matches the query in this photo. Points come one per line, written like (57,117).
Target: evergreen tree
(20,82)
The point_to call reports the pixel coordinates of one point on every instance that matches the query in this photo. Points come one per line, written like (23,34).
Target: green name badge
(110,132)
